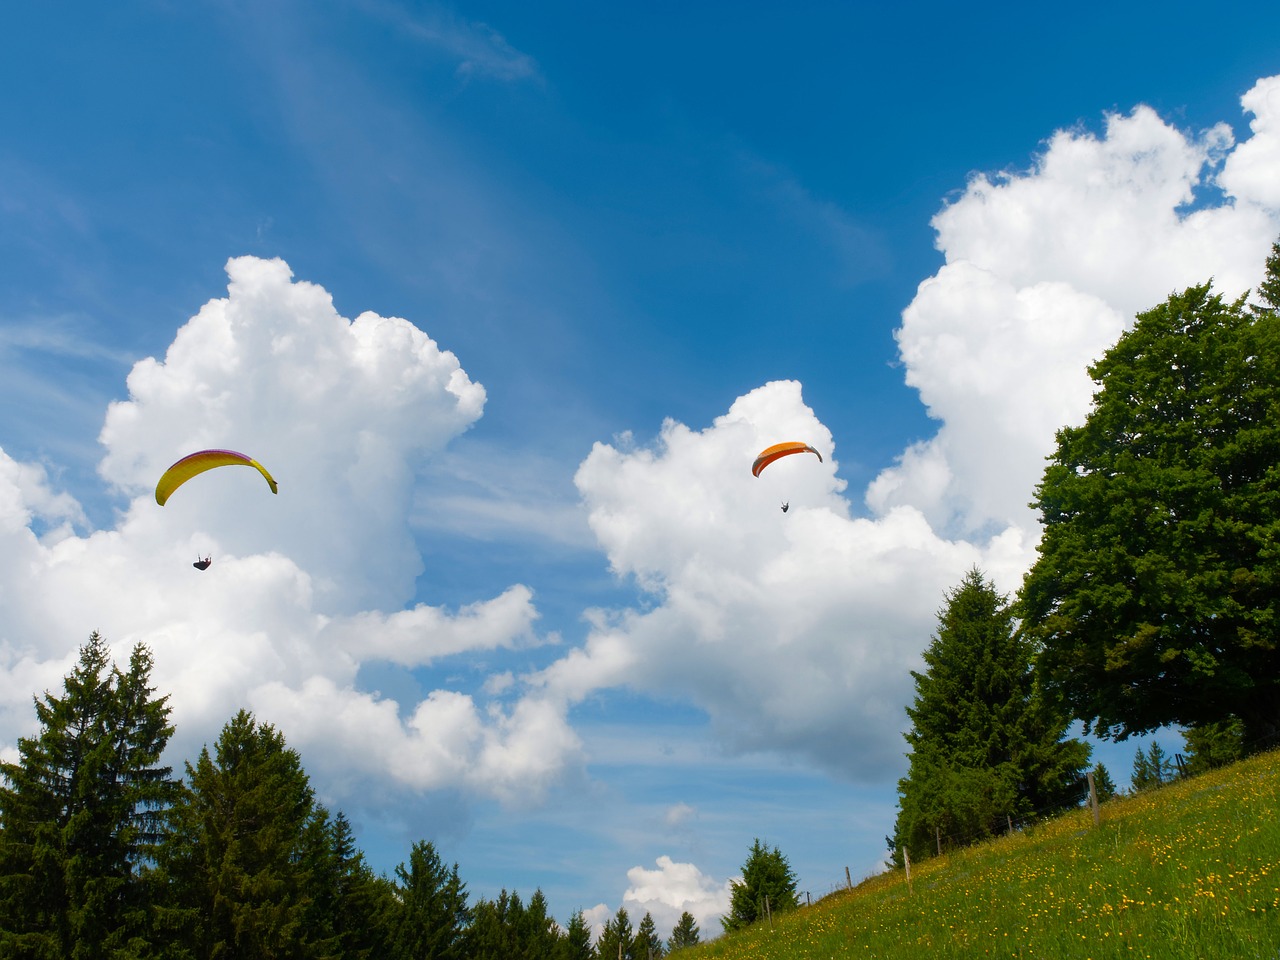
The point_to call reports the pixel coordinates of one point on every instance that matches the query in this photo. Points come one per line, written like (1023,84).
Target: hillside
(1189,870)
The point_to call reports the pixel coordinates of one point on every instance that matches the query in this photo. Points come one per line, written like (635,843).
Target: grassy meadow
(1190,870)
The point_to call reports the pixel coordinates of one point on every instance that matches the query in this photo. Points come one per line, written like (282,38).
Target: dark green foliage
(82,811)
(648,945)
(236,861)
(616,939)
(1156,594)
(1103,785)
(575,943)
(1269,289)
(348,909)
(433,915)
(1151,769)
(684,933)
(985,746)
(768,886)
(1211,745)
(508,928)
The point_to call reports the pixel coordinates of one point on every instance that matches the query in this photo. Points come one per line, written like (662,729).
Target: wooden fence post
(937,835)
(906,861)
(1093,799)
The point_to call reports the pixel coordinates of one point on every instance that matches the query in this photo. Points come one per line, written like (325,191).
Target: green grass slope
(1189,870)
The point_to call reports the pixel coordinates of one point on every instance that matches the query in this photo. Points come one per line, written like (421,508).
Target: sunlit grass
(1189,870)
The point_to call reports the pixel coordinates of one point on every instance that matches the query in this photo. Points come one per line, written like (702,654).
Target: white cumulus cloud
(306,586)
(796,632)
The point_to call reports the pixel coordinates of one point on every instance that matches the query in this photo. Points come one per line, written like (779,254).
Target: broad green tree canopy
(1156,594)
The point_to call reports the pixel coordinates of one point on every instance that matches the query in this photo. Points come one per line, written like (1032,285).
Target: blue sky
(515,595)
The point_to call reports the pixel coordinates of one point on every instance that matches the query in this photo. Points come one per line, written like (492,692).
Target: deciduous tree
(1156,593)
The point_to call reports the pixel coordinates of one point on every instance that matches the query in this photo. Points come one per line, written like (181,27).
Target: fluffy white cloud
(341,412)
(665,893)
(1044,270)
(796,632)
(673,888)
(307,586)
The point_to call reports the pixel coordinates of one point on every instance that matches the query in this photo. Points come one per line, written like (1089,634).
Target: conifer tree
(575,944)
(685,933)
(617,939)
(536,931)
(1103,785)
(648,945)
(768,886)
(1151,769)
(82,810)
(985,746)
(1211,745)
(433,914)
(236,859)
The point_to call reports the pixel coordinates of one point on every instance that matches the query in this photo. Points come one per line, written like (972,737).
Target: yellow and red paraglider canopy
(779,450)
(199,462)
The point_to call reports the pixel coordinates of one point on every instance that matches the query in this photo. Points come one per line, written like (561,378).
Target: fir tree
(1151,769)
(1211,745)
(575,944)
(617,940)
(985,746)
(433,914)
(648,945)
(491,934)
(1103,785)
(685,933)
(768,886)
(237,855)
(82,811)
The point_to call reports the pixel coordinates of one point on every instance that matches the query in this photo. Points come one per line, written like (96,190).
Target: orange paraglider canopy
(779,450)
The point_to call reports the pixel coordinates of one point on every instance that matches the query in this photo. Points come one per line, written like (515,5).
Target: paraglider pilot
(203,564)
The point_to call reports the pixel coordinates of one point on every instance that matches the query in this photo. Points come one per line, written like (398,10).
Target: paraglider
(200,461)
(203,564)
(779,450)
(786,506)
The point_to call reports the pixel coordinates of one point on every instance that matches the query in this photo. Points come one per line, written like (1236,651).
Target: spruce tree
(985,746)
(684,934)
(433,907)
(617,939)
(575,944)
(1103,785)
(237,858)
(648,945)
(82,811)
(536,931)
(768,886)
(1151,769)
(1211,745)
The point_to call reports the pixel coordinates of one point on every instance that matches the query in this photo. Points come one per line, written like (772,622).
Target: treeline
(105,855)
(1154,600)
